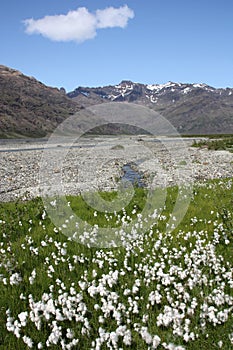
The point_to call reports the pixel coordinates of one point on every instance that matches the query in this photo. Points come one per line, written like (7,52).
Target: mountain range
(191,108)
(30,108)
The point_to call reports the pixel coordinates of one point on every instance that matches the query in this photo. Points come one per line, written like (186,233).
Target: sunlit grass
(168,289)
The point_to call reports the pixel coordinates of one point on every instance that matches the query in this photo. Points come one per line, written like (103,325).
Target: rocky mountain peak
(192,108)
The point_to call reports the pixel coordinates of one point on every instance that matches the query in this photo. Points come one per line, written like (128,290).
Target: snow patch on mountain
(187,90)
(158,87)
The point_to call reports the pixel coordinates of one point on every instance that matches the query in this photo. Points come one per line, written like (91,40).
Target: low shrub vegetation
(223,143)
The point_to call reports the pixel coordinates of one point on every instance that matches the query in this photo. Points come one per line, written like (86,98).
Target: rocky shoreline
(96,163)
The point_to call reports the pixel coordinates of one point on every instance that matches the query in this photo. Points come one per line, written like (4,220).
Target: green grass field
(163,288)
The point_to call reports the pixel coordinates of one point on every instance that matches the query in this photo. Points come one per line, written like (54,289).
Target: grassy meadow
(163,289)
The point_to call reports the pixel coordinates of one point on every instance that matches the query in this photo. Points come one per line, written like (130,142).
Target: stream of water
(132,175)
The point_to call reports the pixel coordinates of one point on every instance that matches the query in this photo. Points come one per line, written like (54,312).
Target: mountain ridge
(30,108)
(191,108)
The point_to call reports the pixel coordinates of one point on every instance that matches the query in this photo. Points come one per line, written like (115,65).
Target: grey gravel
(96,163)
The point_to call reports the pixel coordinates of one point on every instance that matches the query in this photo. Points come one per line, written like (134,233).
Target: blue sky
(150,41)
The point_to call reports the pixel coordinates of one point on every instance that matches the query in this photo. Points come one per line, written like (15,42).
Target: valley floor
(96,163)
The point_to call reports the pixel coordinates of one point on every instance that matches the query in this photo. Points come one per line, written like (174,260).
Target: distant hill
(30,108)
(191,108)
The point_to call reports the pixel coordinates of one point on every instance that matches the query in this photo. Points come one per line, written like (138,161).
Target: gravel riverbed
(96,163)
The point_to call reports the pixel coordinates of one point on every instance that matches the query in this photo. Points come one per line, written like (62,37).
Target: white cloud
(79,25)
(112,17)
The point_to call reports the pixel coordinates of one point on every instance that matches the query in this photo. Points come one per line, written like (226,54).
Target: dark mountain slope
(28,107)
